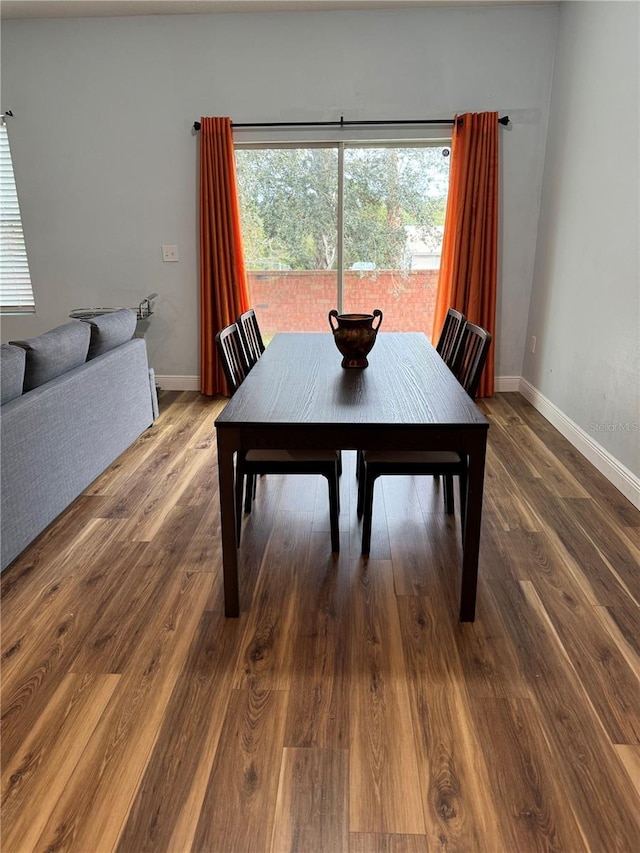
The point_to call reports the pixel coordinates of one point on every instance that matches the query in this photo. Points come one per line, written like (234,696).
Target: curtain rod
(342,123)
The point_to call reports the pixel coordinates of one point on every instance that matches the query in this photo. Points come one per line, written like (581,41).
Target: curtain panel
(223,281)
(469,262)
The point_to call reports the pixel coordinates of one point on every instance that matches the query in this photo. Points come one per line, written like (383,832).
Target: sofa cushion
(54,353)
(12,363)
(111,330)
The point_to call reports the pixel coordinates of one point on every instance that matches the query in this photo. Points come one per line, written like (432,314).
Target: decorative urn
(355,335)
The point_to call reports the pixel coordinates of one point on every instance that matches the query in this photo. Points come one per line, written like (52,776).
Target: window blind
(16,293)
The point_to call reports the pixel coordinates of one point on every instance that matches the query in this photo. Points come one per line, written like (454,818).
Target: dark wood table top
(299,380)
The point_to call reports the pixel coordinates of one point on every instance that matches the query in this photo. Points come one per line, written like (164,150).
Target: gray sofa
(72,400)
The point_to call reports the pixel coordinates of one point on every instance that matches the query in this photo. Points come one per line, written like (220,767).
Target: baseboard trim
(618,475)
(178,383)
(506,383)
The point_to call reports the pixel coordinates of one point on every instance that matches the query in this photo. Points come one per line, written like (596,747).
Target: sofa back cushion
(54,353)
(12,364)
(111,330)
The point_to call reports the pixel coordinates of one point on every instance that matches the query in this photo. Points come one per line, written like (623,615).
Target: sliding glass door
(352,226)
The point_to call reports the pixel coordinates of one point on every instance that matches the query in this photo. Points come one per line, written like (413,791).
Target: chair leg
(359,463)
(239,485)
(369,481)
(448,494)
(362,479)
(339,463)
(334,509)
(463,500)
(250,492)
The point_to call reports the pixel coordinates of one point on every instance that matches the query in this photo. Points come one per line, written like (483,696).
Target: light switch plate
(169,253)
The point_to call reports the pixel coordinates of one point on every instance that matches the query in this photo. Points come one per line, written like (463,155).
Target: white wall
(585,303)
(106,162)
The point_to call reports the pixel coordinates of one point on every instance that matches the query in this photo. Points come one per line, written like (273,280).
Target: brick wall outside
(299,301)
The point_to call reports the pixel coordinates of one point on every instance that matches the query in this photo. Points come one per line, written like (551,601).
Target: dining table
(298,397)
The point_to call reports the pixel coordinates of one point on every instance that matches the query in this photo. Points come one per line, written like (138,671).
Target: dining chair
(447,348)
(450,336)
(252,463)
(233,356)
(252,339)
(469,361)
(470,357)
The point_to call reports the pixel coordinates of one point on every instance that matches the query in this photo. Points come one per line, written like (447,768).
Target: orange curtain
(469,262)
(223,281)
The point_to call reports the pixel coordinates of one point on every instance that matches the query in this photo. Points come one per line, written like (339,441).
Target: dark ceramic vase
(354,335)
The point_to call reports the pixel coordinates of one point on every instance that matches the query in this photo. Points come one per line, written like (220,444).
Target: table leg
(226,448)
(471,538)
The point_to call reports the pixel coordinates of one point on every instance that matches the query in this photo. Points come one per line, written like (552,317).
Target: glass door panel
(394,206)
(289,204)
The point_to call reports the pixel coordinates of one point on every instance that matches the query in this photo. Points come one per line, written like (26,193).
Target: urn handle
(376,313)
(333,313)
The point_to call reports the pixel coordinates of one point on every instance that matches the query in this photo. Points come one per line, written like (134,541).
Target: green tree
(289,199)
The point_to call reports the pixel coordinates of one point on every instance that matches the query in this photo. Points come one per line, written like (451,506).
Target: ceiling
(21,9)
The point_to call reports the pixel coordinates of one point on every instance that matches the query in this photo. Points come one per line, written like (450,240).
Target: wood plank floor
(347,709)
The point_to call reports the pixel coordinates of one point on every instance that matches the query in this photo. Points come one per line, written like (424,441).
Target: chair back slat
(452,330)
(232,355)
(250,331)
(471,356)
